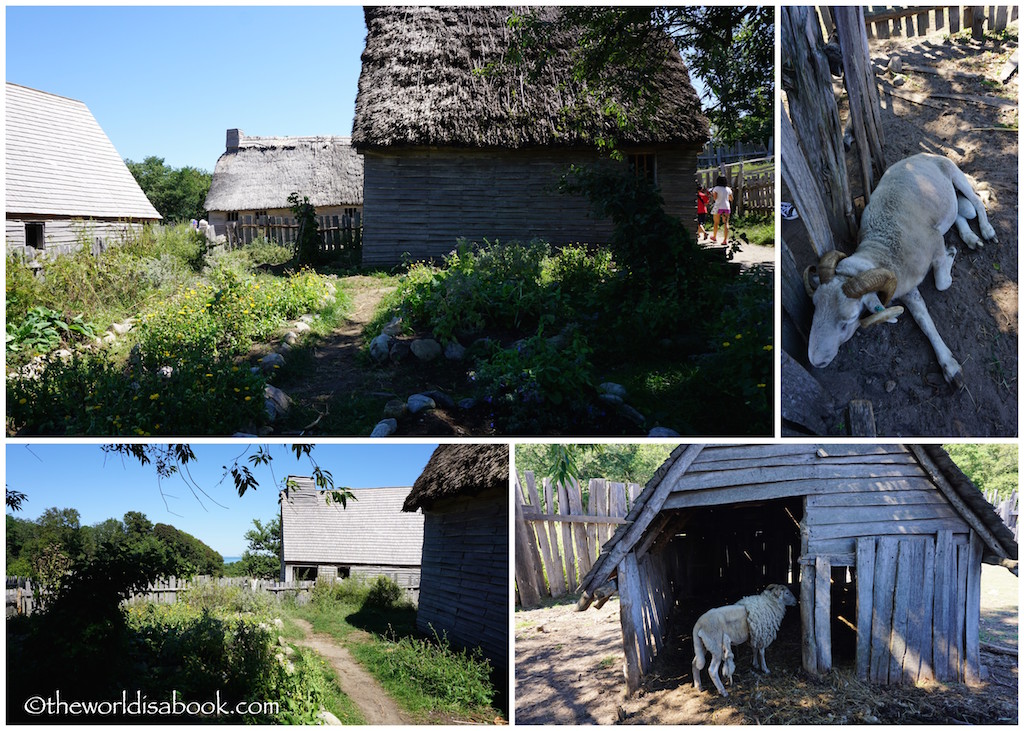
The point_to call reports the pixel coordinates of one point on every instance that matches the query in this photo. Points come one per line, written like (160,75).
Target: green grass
(332,698)
(759,230)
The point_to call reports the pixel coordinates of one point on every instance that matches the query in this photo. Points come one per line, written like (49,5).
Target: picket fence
(713,156)
(752,183)
(21,595)
(890,21)
(559,531)
(1006,509)
(337,233)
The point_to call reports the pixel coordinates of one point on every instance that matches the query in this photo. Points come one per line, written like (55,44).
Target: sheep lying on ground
(914,204)
(755,618)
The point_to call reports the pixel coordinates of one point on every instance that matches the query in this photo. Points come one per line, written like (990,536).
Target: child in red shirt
(703,199)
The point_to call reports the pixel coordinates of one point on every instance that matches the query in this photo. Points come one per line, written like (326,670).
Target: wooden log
(882,600)
(972,652)
(571,577)
(633,643)
(808,639)
(823,613)
(865,593)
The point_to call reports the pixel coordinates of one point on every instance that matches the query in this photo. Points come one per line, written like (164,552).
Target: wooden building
(882,544)
(65,184)
(254,177)
(464,493)
(371,536)
(452,152)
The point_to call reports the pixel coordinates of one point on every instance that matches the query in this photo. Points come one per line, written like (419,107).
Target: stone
(165,371)
(426,349)
(277,402)
(307,318)
(895,64)
(418,402)
(454,351)
(400,351)
(291,338)
(302,326)
(380,348)
(442,399)
(890,386)
(122,328)
(395,409)
(610,398)
(328,718)
(109,338)
(393,328)
(467,403)
(244,435)
(385,428)
(271,362)
(613,388)
(662,431)
(632,414)
(62,353)
(899,80)
(283,348)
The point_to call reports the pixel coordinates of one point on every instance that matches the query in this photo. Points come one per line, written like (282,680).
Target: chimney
(234,137)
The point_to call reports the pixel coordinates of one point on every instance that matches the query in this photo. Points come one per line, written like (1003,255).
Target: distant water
(232,559)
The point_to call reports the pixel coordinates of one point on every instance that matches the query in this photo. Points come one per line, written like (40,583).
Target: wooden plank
(552,567)
(617,500)
(809,456)
(714,456)
(908,497)
(917,633)
(824,469)
(927,644)
(808,644)
(805,189)
(910,527)
(972,650)
(823,613)
(587,520)
(805,402)
(633,643)
(598,505)
(571,577)
(882,599)
(584,557)
(853,514)
(957,655)
(531,539)
(902,597)
(865,594)
(954,20)
(549,507)
(526,571)
(861,418)
(945,592)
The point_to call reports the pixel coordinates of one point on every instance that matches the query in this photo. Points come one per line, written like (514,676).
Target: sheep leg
(942,268)
(966,190)
(764,665)
(873,304)
(919,311)
(698,663)
(716,662)
(966,212)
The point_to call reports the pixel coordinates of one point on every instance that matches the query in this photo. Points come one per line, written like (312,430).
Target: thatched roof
(60,162)
(456,470)
(421,85)
(261,172)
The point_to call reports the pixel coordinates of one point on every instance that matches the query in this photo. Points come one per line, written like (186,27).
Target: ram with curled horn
(915,203)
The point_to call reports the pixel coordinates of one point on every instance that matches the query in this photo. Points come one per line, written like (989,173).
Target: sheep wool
(764,615)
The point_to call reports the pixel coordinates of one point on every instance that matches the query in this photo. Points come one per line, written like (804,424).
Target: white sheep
(755,618)
(915,203)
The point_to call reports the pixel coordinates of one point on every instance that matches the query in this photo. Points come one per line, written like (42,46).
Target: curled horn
(878,280)
(826,270)
(881,316)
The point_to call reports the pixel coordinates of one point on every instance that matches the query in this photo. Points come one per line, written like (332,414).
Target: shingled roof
(261,172)
(370,530)
(59,162)
(421,84)
(460,469)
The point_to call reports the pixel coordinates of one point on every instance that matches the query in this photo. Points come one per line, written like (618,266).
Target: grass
(759,230)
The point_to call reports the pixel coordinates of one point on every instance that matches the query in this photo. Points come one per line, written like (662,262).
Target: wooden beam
(823,613)
(865,593)
(972,665)
(902,597)
(526,570)
(535,517)
(808,644)
(631,617)
(882,600)
(945,590)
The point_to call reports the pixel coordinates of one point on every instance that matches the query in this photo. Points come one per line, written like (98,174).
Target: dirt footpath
(373,702)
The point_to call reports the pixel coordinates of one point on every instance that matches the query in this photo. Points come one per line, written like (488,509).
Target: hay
(456,470)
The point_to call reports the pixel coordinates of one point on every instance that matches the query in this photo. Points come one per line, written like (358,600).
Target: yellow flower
(767,347)
(23,401)
(154,396)
(238,390)
(761,385)
(209,375)
(738,336)
(726,344)
(248,398)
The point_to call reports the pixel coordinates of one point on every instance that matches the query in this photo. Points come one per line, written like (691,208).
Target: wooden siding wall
(464,584)
(63,236)
(405,576)
(418,203)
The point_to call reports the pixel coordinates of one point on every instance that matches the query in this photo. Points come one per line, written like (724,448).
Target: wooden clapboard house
(453,152)
(370,536)
(464,593)
(882,545)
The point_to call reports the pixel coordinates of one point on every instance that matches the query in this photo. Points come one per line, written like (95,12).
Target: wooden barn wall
(63,235)
(417,203)
(464,577)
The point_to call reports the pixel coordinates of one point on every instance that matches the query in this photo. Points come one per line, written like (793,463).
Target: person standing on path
(722,194)
(703,201)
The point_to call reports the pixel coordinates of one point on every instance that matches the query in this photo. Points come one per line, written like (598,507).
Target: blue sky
(102,486)
(169,81)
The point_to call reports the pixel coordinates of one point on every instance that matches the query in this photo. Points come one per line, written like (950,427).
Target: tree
(188,554)
(989,466)
(618,462)
(177,193)
(262,559)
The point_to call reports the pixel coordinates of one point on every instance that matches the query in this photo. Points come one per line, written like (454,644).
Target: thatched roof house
(368,537)
(883,545)
(464,594)
(453,152)
(254,177)
(64,180)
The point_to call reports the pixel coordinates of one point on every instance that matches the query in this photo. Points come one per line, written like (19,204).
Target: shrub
(352,590)
(384,593)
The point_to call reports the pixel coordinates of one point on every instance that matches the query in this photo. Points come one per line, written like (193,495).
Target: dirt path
(373,702)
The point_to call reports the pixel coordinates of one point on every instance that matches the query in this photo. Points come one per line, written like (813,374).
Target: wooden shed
(254,177)
(882,544)
(452,152)
(65,183)
(370,536)
(464,593)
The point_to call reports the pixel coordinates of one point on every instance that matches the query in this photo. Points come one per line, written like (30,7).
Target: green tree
(989,466)
(618,462)
(262,558)
(177,193)
(188,554)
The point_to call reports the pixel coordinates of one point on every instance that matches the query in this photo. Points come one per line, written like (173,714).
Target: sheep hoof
(989,234)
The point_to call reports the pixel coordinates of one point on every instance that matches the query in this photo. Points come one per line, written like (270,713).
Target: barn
(254,177)
(882,544)
(65,183)
(451,152)
(370,536)
(463,493)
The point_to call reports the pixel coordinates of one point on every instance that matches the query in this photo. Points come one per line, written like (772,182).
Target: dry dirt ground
(893,366)
(569,671)
(374,704)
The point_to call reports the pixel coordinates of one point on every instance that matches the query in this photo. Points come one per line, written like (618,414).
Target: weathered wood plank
(808,641)
(972,650)
(861,418)
(904,528)
(904,591)
(571,579)
(865,596)
(584,554)
(631,614)
(597,498)
(617,500)
(535,517)
(823,613)
(528,497)
(957,655)
(851,514)
(552,569)
(549,506)
(526,571)
(808,457)
(908,497)
(755,475)
(883,592)
(716,453)
(943,598)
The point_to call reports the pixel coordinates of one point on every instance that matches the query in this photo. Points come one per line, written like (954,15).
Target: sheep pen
(948,99)
(569,671)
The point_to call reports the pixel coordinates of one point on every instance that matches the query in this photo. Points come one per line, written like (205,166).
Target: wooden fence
(337,233)
(1007,509)
(711,156)
(752,183)
(21,594)
(560,530)
(885,21)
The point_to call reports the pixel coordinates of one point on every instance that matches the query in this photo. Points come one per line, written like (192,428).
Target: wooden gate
(560,530)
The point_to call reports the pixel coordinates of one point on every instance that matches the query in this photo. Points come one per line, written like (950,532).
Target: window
(232,215)
(35,235)
(305,573)
(643,166)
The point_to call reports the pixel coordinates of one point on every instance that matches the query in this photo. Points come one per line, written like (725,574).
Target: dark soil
(893,366)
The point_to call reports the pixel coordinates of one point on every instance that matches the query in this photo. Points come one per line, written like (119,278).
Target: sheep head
(838,302)
(782,594)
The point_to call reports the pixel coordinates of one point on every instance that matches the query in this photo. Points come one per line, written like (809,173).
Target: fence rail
(886,21)
(1007,509)
(714,156)
(21,595)
(752,183)
(560,530)
(337,233)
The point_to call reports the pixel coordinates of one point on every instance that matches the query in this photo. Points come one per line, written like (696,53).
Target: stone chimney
(234,137)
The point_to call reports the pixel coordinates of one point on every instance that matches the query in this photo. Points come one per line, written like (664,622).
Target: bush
(384,593)
(212,596)
(350,591)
